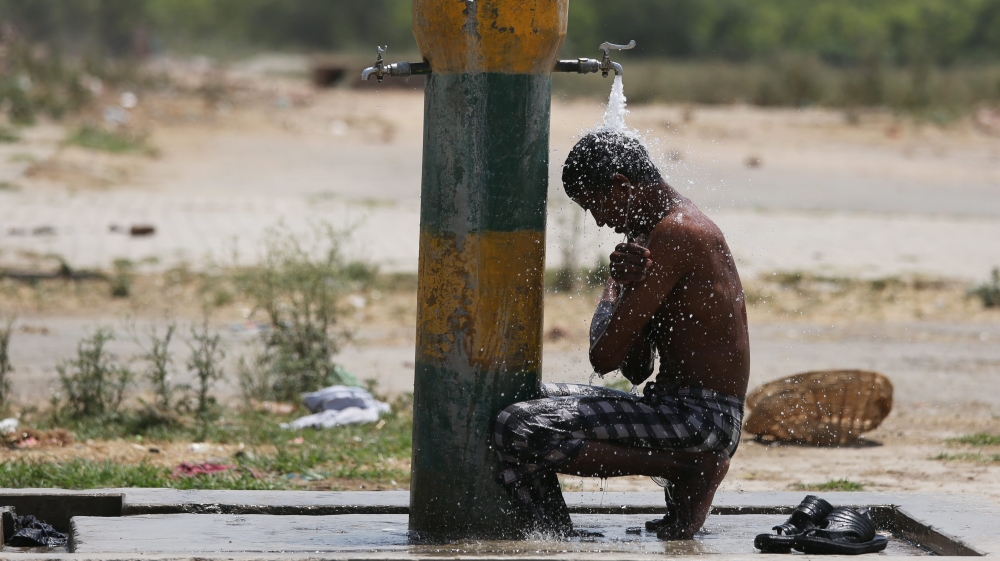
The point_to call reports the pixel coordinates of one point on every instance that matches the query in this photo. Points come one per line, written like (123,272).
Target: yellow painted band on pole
(480,300)
(506,36)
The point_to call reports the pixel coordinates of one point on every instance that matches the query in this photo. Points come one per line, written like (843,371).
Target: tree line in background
(838,32)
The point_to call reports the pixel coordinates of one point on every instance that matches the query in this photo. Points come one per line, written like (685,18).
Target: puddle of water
(217,533)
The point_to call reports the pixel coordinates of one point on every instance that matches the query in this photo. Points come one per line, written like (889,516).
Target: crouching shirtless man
(673,292)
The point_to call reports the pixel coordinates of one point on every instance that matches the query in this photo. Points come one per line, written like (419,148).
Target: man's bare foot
(692,497)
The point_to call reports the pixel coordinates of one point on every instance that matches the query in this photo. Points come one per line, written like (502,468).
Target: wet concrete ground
(220,533)
(167,523)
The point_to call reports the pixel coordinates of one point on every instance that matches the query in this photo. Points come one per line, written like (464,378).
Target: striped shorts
(535,437)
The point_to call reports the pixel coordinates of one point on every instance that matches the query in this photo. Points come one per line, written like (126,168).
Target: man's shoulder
(686,227)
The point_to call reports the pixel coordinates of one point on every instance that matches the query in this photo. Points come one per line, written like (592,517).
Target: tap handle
(606,47)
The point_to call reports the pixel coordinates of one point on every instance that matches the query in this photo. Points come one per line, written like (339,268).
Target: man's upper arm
(670,251)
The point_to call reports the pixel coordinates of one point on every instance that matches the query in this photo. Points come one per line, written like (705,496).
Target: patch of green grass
(88,474)
(831,485)
(978,439)
(8,134)
(989,292)
(364,452)
(967,457)
(96,138)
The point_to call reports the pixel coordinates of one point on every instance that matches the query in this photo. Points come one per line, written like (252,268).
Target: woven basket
(824,408)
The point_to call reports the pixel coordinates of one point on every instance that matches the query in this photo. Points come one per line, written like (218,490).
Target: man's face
(609,209)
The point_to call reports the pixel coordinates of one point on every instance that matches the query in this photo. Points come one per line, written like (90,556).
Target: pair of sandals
(817,528)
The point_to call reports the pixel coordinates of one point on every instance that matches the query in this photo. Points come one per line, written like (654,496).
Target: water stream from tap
(614,116)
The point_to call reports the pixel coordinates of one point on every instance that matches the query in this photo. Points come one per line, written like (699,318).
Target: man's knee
(506,425)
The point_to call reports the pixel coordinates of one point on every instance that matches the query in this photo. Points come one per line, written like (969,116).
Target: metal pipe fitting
(590,65)
(397,69)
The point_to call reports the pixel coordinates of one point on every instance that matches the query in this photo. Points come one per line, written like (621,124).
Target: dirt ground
(876,225)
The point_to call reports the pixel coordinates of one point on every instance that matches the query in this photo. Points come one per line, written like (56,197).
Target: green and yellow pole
(482,250)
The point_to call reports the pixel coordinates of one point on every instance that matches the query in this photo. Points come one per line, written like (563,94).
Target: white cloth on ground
(338,405)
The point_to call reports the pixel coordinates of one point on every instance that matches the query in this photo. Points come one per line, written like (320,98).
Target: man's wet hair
(600,155)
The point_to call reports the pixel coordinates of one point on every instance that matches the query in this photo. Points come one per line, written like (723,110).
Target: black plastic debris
(32,532)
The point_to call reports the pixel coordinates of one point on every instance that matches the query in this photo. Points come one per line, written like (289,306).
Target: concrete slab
(221,533)
(945,524)
(57,506)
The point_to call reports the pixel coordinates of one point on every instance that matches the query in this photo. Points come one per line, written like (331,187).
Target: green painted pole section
(482,252)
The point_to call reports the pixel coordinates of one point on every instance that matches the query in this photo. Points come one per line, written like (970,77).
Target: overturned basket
(824,408)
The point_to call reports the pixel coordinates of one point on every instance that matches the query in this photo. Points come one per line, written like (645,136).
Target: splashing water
(614,116)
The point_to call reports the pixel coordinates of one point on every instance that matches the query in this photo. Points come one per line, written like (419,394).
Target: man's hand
(630,262)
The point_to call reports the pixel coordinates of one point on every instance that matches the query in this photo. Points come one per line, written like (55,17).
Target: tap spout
(368,72)
(618,69)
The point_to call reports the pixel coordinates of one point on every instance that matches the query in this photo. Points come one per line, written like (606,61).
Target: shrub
(96,138)
(121,279)
(6,329)
(989,292)
(205,362)
(159,369)
(299,287)
(94,381)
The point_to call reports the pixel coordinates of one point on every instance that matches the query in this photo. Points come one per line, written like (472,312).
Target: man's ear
(621,185)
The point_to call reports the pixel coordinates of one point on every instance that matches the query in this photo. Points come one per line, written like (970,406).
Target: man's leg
(695,475)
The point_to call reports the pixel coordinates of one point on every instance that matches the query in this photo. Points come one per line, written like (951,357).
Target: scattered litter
(339,405)
(988,120)
(189,469)
(297,441)
(139,447)
(275,407)
(154,450)
(824,408)
(340,376)
(140,230)
(249,328)
(32,532)
(115,115)
(29,438)
(200,447)
(128,100)
(357,301)
(556,333)
(308,475)
(9,425)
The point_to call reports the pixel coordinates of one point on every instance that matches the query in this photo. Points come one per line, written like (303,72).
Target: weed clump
(121,279)
(832,485)
(989,292)
(113,141)
(6,329)
(299,287)
(205,362)
(159,370)
(94,382)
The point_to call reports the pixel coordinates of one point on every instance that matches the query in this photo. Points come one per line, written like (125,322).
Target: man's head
(603,173)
